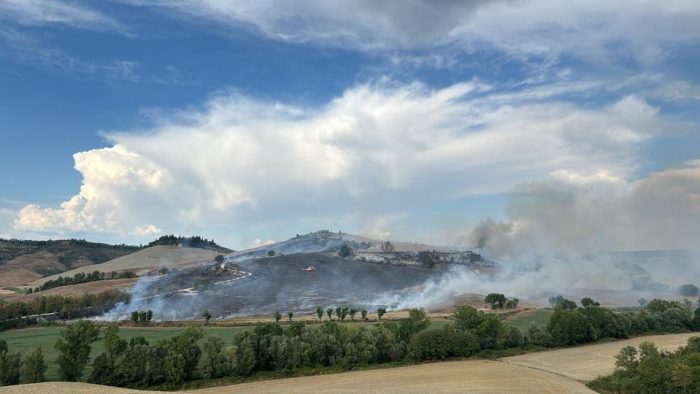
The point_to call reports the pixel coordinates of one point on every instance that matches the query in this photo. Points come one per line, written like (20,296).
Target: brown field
(75,290)
(150,259)
(472,376)
(586,363)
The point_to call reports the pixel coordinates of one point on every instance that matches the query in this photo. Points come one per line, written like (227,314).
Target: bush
(569,327)
(434,344)
(33,367)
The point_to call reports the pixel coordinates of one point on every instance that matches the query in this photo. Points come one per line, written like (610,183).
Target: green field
(523,319)
(45,337)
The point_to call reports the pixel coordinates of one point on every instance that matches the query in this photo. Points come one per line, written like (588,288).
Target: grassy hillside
(522,320)
(24,261)
(149,259)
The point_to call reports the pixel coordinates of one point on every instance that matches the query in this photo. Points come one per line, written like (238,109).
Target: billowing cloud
(378,149)
(585,212)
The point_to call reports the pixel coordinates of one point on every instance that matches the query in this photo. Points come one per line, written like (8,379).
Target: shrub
(33,366)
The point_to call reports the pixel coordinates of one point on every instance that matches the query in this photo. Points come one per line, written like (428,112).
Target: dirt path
(585,363)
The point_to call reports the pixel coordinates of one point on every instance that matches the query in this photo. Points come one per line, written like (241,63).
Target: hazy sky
(502,124)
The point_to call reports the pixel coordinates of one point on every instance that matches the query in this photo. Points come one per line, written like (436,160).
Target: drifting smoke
(560,238)
(558,232)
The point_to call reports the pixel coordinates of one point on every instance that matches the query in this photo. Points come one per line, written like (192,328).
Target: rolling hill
(149,259)
(25,261)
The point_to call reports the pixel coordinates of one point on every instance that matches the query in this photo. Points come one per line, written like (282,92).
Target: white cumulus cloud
(240,163)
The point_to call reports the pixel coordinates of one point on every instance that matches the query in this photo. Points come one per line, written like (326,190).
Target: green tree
(277,316)
(343,313)
(290,315)
(319,313)
(588,302)
(569,327)
(149,315)
(496,300)
(353,312)
(33,366)
(207,316)
(329,312)
(214,363)
(74,345)
(9,366)
(344,251)
(364,314)
(135,316)
(338,312)
(380,312)
(219,259)
(175,369)
(143,316)
(245,353)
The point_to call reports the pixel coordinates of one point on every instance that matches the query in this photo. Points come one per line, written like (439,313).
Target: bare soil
(76,290)
(585,363)
(473,376)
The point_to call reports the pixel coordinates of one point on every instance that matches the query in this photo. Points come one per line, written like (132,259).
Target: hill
(145,260)
(25,261)
(325,241)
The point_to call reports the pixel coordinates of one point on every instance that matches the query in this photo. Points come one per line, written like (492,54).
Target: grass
(522,320)
(16,290)
(24,340)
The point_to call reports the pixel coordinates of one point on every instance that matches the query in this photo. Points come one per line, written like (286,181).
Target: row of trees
(82,278)
(648,370)
(15,313)
(571,325)
(194,241)
(273,347)
(142,317)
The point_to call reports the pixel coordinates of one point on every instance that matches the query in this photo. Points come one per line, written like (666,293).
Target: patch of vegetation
(69,252)
(15,314)
(523,320)
(83,278)
(646,369)
(194,241)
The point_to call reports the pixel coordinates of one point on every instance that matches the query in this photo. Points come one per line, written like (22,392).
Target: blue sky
(451,123)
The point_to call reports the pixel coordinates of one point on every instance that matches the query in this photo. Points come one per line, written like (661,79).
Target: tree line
(647,369)
(170,363)
(18,313)
(82,278)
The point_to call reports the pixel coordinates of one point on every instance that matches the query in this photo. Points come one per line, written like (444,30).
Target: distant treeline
(193,242)
(14,314)
(83,278)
